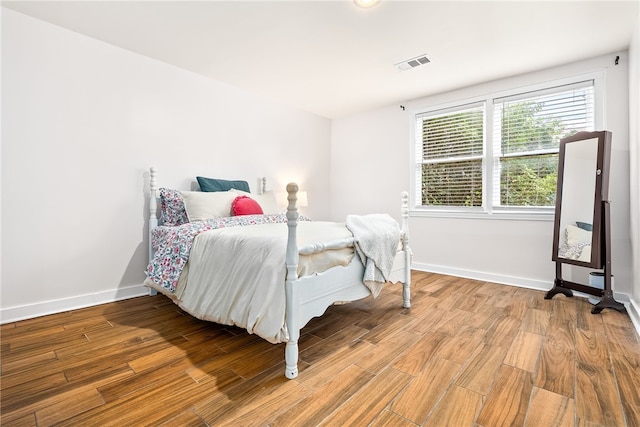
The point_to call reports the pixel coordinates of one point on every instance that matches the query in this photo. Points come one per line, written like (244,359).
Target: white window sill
(479,214)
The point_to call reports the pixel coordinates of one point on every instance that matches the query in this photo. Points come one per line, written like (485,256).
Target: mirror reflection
(582,225)
(577,204)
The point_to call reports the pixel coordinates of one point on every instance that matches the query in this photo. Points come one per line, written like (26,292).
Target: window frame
(487,210)
(417,149)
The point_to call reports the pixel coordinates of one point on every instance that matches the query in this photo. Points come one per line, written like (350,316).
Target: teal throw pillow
(212,185)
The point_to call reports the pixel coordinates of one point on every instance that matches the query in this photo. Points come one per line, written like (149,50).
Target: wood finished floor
(468,353)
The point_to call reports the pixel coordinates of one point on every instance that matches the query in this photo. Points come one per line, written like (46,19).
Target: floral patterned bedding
(172,244)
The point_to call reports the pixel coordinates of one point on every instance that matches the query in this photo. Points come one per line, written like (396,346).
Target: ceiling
(335,59)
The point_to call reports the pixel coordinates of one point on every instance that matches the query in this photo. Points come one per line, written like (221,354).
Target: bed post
(153,203)
(406,284)
(292,314)
(153,208)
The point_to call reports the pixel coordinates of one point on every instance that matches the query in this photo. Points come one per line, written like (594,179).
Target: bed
(229,256)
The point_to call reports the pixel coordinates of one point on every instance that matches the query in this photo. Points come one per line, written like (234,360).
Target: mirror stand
(566,288)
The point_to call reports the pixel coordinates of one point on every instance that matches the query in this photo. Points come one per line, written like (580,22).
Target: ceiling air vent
(413,62)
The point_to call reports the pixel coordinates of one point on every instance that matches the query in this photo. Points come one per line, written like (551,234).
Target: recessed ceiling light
(366,3)
(413,62)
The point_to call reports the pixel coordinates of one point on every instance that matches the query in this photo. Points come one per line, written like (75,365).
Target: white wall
(81,123)
(372,151)
(634,162)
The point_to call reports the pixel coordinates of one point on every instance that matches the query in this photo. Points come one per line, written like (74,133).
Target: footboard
(309,296)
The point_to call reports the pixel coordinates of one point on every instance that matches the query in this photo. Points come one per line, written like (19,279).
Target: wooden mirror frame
(601,174)
(601,226)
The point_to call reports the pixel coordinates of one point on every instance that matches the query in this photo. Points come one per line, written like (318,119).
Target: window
(499,153)
(452,149)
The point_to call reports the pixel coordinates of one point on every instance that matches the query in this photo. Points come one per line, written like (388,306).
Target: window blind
(526,139)
(451,152)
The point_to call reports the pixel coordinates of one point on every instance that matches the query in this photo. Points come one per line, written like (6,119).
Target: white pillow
(266,200)
(202,205)
(577,235)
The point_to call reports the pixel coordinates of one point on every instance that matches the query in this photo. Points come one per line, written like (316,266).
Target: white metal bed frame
(309,296)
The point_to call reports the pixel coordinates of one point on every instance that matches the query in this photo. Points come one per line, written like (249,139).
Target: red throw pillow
(243,205)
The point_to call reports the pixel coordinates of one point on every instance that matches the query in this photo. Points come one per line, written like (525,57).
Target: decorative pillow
(585,225)
(213,185)
(172,211)
(577,235)
(201,206)
(266,200)
(244,205)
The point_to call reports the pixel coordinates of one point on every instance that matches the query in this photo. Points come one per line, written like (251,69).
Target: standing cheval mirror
(582,227)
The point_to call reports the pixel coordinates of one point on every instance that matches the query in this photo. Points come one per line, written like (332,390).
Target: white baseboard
(29,311)
(633,308)
(540,285)
(522,282)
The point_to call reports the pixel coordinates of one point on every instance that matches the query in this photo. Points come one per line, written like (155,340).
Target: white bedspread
(236,275)
(377,237)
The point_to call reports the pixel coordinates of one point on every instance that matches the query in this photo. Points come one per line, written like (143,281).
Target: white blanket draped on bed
(377,237)
(236,275)
(220,263)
